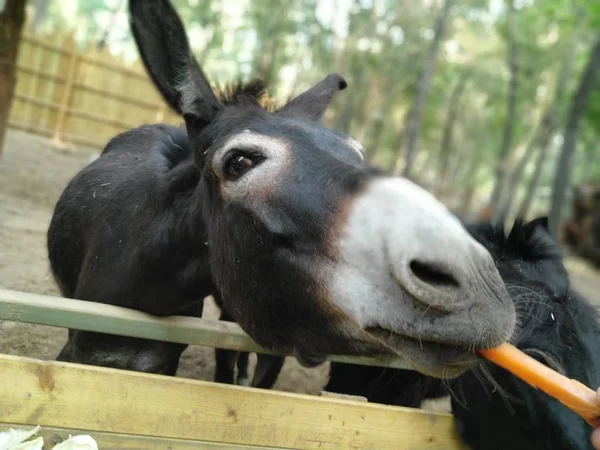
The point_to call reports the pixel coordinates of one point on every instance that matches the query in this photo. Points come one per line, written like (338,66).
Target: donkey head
(314,251)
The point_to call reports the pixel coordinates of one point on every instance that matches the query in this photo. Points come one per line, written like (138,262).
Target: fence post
(161,113)
(66,97)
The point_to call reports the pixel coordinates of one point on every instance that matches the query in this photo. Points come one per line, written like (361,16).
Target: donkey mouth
(436,359)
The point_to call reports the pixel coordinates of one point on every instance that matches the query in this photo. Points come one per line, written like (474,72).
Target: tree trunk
(466,202)
(589,162)
(462,175)
(40,10)
(11,24)
(375,135)
(540,139)
(446,144)
(577,109)
(502,211)
(511,107)
(547,127)
(413,124)
(535,177)
(592,159)
(456,169)
(109,26)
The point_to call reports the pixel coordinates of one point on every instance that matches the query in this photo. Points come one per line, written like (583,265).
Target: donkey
(267,367)
(494,409)
(313,251)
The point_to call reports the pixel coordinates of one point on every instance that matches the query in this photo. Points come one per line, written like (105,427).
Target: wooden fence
(125,409)
(83,97)
(102,318)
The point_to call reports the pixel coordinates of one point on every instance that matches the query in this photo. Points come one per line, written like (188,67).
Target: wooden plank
(101,119)
(126,99)
(84,140)
(56,394)
(32,113)
(76,113)
(129,103)
(67,92)
(29,127)
(116,441)
(78,314)
(47,132)
(35,101)
(38,42)
(161,113)
(112,67)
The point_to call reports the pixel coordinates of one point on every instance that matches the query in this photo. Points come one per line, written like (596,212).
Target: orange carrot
(569,392)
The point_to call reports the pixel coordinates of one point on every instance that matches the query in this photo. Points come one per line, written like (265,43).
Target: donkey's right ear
(165,51)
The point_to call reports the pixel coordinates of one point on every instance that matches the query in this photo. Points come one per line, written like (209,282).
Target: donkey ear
(164,48)
(315,101)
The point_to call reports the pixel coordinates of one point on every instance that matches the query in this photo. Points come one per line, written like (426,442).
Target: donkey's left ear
(165,51)
(315,101)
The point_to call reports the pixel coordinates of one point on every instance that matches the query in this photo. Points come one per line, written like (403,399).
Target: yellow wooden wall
(81,97)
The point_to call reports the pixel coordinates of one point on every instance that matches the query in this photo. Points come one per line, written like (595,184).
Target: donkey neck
(182,196)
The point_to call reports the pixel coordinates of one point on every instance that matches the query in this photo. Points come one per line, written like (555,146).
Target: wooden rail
(89,316)
(123,409)
(130,410)
(81,96)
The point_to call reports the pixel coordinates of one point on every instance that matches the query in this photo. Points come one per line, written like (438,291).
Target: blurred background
(493,105)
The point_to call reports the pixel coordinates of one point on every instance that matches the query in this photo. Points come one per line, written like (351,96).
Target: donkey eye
(237,165)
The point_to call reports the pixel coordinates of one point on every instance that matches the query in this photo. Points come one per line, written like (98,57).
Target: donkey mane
(253,92)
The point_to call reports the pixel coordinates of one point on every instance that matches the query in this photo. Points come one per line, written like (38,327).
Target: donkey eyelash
(255,156)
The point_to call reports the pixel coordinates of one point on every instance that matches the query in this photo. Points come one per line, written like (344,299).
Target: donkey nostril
(432,275)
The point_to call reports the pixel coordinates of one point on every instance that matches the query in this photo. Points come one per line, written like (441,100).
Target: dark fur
(267,367)
(164,218)
(145,225)
(556,326)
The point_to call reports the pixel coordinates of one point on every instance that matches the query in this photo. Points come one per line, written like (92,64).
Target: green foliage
(380,48)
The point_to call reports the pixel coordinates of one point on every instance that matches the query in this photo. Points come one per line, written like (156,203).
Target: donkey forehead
(291,153)
(293,136)
(332,141)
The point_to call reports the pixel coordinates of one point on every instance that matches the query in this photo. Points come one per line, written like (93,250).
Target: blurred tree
(544,133)
(511,111)
(413,122)
(40,11)
(407,101)
(446,143)
(110,24)
(577,109)
(12,18)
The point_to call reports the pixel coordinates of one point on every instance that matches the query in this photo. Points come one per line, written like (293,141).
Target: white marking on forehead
(262,178)
(356,146)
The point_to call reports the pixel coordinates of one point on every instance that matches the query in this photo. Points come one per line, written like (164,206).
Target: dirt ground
(33,174)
